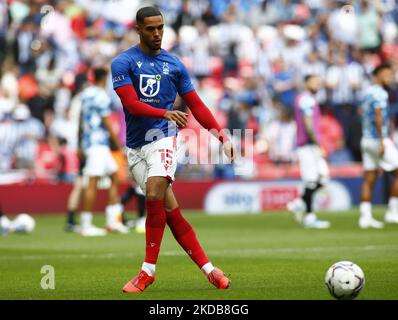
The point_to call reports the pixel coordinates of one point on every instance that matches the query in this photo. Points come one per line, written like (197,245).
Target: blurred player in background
(97,133)
(74,198)
(76,193)
(139,223)
(147,80)
(313,166)
(378,150)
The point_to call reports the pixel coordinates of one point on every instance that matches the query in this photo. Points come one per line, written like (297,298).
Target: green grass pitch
(267,256)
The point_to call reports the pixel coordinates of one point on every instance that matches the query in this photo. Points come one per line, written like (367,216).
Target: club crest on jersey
(150,84)
(166,69)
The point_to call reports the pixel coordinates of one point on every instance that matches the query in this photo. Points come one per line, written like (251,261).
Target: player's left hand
(229,150)
(179,117)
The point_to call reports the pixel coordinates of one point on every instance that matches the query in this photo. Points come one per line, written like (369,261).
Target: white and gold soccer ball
(345,280)
(24,223)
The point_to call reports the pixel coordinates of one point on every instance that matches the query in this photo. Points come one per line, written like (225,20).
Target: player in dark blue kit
(147,79)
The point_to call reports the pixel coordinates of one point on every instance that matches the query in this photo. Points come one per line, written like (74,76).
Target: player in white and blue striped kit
(97,133)
(378,150)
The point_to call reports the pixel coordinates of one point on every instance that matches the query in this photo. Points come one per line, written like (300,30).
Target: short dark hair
(309,76)
(100,73)
(146,12)
(380,68)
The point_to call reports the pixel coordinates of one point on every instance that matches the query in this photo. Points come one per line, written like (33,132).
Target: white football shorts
(313,166)
(371,158)
(99,162)
(156,159)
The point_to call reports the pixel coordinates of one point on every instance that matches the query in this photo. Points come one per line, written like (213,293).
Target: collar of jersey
(148,55)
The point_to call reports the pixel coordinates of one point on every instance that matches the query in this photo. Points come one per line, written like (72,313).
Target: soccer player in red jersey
(147,80)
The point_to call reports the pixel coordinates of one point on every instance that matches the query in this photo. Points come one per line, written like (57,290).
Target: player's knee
(154,195)
(370,181)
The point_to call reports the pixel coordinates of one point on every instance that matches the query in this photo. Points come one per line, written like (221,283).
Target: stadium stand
(248,65)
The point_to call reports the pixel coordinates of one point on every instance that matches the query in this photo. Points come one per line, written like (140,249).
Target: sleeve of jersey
(130,102)
(120,68)
(203,115)
(307,106)
(104,104)
(378,102)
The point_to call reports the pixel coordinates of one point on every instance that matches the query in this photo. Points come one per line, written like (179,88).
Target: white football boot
(87,228)
(311,221)
(92,231)
(140,225)
(297,208)
(117,227)
(113,214)
(369,222)
(391,217)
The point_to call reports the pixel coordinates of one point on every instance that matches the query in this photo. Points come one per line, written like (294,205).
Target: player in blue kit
(378,150)
(147,79)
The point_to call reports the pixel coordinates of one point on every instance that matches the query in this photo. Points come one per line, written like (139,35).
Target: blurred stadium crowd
(248,59)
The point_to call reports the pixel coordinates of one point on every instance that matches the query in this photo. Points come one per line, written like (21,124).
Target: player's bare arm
(379,126)
(80,152)
(108,125)
(309,127)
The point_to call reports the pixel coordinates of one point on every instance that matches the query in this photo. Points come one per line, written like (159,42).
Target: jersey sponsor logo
(139,64)
(149,84)
(118,78)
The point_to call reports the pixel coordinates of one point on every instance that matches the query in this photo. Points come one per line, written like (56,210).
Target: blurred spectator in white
(27,33)
(56,25)
(49,78)
(280,137)
(369,26)
(294,49)
(30,131)
(9,139)
(343,25)
(344,80)
(201,52)
(9,88)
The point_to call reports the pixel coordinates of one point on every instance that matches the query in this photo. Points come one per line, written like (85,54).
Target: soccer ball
(345,280)
(24,223)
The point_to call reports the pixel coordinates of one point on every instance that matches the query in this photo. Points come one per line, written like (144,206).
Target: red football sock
(186,237)
(154,228)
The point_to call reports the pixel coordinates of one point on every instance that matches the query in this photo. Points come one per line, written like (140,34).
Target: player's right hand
(229,150)
(180,118)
